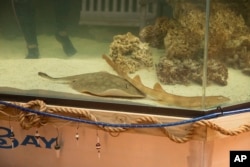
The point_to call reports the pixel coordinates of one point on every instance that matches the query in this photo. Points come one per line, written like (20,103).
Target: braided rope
(227,132)
(172,137)
(84,114)
(29,120)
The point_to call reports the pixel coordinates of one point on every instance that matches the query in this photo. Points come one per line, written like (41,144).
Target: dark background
(45,18)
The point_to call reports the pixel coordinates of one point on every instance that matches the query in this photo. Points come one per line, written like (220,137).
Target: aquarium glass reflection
(192,54)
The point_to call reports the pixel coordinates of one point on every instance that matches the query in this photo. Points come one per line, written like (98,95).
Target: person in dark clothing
(25,13)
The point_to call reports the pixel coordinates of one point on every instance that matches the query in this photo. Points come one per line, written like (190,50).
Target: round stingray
(99,84)
(105,84)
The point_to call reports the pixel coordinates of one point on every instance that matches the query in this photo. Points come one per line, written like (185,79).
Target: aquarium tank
(149,56)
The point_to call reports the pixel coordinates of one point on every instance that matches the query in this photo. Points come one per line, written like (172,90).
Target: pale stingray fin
(158,87)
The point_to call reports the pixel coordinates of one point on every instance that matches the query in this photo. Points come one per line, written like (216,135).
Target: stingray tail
(46,76)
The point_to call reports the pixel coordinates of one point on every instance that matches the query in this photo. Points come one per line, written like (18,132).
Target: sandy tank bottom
(21,74)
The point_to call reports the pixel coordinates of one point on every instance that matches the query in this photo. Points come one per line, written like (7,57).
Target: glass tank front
(157,54)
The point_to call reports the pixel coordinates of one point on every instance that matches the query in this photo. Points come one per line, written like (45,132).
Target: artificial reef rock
(129,53)
(183,39)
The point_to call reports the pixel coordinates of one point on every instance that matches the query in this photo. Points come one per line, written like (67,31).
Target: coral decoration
(154,34)
(183,40)
(182,43)
(217,72)
(129,53)
(176,71)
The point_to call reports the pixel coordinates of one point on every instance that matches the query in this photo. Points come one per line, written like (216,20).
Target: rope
(227,132)
(165,131)
(28,120)
(84,114)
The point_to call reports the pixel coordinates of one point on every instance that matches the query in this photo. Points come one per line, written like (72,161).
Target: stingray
(101,84)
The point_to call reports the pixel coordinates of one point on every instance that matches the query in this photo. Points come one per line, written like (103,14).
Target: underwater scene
(191,54)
